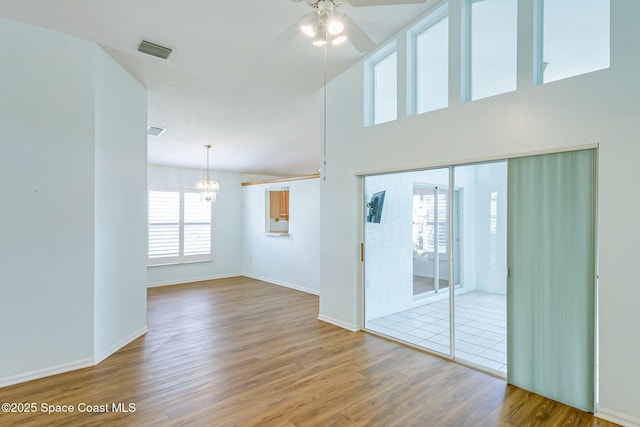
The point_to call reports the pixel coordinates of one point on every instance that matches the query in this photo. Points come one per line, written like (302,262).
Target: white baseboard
(617,417)
(47,372)
(71,366)
(285,284)
(119,345)
(340,323)
(191,280)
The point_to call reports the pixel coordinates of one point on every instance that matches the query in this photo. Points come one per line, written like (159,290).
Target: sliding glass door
(413,269)
(407,261)
(480,299)
(436,270)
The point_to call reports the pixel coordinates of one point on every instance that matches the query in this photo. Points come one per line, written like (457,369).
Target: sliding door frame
(452,206)
(468,162)
(452,288)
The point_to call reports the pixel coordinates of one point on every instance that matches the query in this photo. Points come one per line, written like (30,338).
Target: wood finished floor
(240,352)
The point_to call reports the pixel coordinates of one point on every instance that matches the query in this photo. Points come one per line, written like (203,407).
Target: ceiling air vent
(155,130)
(154,49)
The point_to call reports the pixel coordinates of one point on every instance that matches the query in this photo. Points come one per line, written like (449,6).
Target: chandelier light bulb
(208,186)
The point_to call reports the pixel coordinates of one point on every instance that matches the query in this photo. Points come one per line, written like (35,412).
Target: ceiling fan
(325,24)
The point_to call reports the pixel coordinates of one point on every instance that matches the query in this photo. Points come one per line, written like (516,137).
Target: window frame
(181,258)
(412,34)
(538,42)
(370,83)
(466,84)
(539,64)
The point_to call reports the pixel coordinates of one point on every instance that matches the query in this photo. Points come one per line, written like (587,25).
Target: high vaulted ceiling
(227,83)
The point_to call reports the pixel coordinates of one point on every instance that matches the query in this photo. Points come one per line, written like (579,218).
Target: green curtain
(552,275)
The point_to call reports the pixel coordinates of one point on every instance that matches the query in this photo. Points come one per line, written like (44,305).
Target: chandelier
(208,186)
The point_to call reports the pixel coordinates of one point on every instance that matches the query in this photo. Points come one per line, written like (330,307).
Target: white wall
(46,166)
(227,227)
(53,244)
(600,107)
(120,207)
(292,260)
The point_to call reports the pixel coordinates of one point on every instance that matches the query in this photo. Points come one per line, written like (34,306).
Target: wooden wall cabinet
(279,205)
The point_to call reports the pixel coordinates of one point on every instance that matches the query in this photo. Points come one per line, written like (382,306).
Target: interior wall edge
(336,322)
(283,284)
(123,342)
(192,280)
(276,180)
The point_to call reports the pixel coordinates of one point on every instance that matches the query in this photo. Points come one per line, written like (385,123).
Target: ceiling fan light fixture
(339,40)
(324,6)
(335,27)
(319,42)
(308,30)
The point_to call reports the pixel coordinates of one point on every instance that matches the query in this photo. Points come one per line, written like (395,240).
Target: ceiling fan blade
(364,3)
(292,31)
(356,35)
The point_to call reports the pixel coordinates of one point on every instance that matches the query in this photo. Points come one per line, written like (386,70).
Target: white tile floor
(481,334)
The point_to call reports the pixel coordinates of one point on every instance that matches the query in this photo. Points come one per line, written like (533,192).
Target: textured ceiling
(227,83)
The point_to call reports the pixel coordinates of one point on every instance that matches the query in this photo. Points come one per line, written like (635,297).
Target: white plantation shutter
(424,219)
(442,221)
(164,224)
(179,227)
(197,225)
(493,215)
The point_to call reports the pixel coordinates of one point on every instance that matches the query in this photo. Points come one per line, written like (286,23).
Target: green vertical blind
(552,275)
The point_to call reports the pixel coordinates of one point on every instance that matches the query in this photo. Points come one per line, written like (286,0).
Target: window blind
(179,227)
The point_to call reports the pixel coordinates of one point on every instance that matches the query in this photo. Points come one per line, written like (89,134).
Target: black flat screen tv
(375,207)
